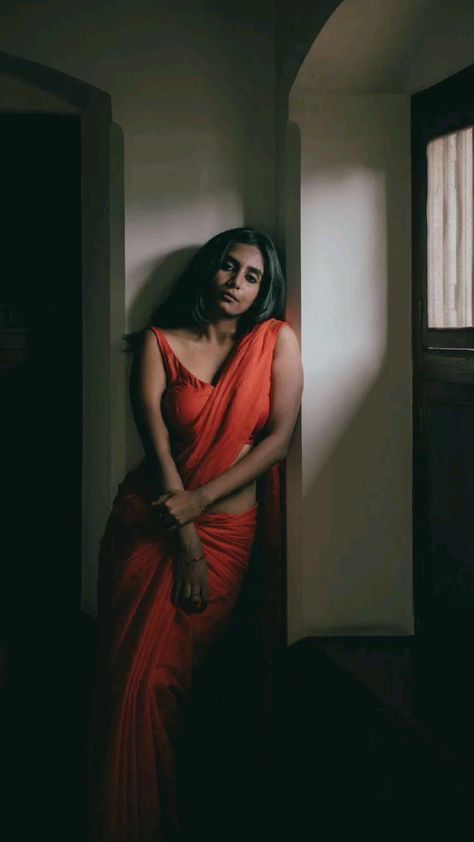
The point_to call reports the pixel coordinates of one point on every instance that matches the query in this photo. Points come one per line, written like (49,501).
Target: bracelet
(194,559)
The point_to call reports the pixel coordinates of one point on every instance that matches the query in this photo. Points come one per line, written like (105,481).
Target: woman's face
(238,280)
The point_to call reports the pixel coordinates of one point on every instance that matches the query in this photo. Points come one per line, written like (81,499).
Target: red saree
(147,646)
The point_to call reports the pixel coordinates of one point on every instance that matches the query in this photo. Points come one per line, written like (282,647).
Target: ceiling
(390,46)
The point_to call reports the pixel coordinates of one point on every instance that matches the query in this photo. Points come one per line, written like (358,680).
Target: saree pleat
(148,648)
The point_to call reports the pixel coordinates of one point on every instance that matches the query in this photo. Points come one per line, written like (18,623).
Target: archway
(348,245)
(32,88)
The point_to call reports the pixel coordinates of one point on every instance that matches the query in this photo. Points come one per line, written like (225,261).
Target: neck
(221,331)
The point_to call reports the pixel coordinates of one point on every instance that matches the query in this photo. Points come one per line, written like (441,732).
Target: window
(450,230)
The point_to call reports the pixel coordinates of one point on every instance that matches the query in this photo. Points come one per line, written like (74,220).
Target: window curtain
(450,230)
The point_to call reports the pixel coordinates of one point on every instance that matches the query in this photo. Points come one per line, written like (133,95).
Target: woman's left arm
(286,391)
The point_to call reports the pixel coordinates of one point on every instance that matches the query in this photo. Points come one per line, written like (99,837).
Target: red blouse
(185,394)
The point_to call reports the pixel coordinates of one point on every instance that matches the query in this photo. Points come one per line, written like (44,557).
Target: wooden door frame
(440,356)
(95,111)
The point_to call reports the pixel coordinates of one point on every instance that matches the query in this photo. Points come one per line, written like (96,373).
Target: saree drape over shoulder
(147,646)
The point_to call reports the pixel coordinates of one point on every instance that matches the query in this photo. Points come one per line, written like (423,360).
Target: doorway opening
(55,437)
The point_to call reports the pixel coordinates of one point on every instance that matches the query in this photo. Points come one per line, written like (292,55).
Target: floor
(343,754)
(378,740)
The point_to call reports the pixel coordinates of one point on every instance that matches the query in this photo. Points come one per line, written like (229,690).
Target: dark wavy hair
(185,305)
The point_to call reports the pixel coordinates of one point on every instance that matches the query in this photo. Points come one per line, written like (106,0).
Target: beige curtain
(450,230)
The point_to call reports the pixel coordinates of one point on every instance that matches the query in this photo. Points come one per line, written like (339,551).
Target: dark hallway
(40,443)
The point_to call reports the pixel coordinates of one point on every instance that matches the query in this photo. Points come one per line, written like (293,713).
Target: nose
(234,278)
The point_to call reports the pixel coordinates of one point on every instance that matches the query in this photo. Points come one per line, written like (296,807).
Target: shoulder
(275,327)
(150,338)
(152,348)
(287,363)
(280,334)
(154,335)
(285,335)
(182,337)
(149,349)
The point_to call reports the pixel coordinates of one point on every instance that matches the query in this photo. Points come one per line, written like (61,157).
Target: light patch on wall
(344,301)
(356,414)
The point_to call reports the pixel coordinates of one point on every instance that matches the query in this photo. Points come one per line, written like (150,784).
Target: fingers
(200,606)
(178,580)
(174,509)
(192,605)
(161,499)
(167,520)
(164,518)
(196,600)
(194,595)
(163,514)
(191,595)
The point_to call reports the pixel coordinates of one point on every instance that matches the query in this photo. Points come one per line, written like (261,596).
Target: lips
(229,295)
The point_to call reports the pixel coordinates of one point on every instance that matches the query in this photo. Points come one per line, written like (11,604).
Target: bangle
(194,559)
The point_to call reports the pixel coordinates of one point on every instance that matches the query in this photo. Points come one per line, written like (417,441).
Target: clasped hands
(173,510)
(178,507)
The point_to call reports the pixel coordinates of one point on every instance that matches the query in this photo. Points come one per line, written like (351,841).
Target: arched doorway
(348,246)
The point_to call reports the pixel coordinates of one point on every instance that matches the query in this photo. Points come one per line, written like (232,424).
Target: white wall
(192,87)
(354,571)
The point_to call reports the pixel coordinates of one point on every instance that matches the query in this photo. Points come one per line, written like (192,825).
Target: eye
(227,265)
(252,279)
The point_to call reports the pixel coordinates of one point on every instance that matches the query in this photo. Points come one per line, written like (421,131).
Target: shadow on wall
(360,551)
(158,284)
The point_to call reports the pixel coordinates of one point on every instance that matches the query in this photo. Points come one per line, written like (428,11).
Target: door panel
(448,418)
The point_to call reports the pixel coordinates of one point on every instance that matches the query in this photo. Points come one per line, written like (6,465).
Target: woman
(218,384)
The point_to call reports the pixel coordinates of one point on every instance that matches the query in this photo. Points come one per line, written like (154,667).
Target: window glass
(450,229)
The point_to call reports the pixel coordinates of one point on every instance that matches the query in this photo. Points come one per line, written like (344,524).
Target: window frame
(447,107)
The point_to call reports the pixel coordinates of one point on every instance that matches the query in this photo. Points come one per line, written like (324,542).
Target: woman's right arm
(150,383)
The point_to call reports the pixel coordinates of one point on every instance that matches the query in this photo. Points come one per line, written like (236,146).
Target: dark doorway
(40,454)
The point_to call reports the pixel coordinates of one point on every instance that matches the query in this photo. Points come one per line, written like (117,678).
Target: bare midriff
(240,501)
